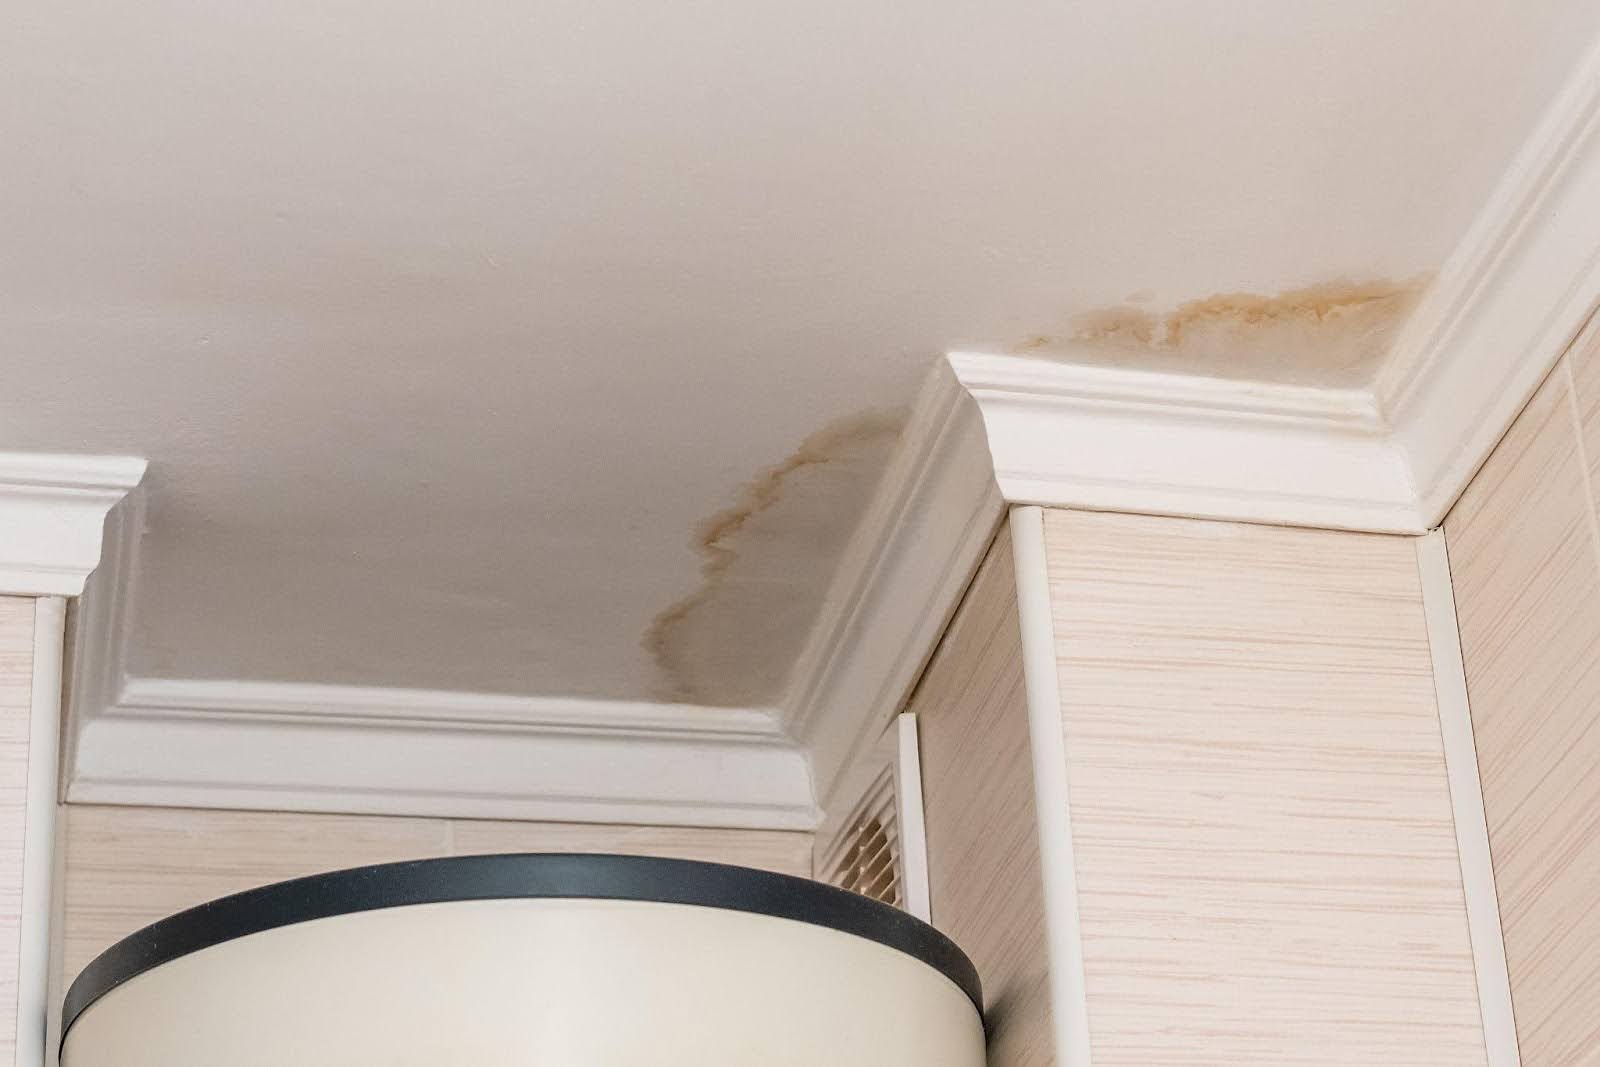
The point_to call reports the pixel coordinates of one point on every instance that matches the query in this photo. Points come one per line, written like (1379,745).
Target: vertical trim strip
(39,833)
(1575,413)
(913,828)
(1069,1001)
(1466,800)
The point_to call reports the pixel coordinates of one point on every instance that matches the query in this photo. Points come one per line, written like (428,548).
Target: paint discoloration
(1334,333)
(764,567)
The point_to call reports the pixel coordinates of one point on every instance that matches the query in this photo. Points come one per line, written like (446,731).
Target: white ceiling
(465,341)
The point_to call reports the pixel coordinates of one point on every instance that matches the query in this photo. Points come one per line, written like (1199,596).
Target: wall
(1261,824)
(1525,564)
(983,853)
(126,867)
(1193,808)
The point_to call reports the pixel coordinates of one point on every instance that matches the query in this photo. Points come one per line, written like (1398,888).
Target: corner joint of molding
(1112,439)
(1519,290)
(928,523)
(52,514)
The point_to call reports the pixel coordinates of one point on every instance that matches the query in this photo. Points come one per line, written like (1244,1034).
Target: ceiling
(554,348)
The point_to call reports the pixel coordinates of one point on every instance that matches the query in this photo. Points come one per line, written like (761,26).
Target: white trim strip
(915,882)
(1466,799)
(1053,815)
(39,833)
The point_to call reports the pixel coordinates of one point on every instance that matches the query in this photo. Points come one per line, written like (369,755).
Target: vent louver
(875,845)
(866,856)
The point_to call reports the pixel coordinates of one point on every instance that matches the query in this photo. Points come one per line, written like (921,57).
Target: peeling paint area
(765,563)
(1335,333)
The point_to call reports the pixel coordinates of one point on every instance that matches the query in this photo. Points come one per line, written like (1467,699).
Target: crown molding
(96,640)
(1506,305)
(52,509)
(901,576)
(386,751)
(1066,434)
(385,706)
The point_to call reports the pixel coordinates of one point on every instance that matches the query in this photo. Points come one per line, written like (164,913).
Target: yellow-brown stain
(1338,330)
(715,647)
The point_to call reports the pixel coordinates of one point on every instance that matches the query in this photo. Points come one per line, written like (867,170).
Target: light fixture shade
(531,961)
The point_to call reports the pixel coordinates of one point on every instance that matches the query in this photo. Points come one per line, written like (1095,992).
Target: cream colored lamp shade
(531,961)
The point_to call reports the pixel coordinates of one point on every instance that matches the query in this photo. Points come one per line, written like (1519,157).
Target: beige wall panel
(127,867)
(784,851)
(16,702)
(1526,571)
(977,780)
(1265,850)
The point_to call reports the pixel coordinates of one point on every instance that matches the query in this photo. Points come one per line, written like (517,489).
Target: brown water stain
(764,566)
(1334,333)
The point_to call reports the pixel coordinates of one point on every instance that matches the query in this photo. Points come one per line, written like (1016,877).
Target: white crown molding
(386,706)
(99,624)
(903,572)
(1071,435)
(385,751)
(1505,306)
(52,508)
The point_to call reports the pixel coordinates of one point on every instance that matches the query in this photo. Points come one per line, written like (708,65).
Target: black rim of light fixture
(521,875)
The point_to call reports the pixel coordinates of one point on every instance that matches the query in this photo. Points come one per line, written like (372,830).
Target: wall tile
(1262,827)
(985,886)
(1526,571)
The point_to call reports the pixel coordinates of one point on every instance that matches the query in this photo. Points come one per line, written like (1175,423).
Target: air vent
(868,852)
(876,846)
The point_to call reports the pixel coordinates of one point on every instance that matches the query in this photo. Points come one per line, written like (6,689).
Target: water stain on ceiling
(732,640)
(1334,333)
